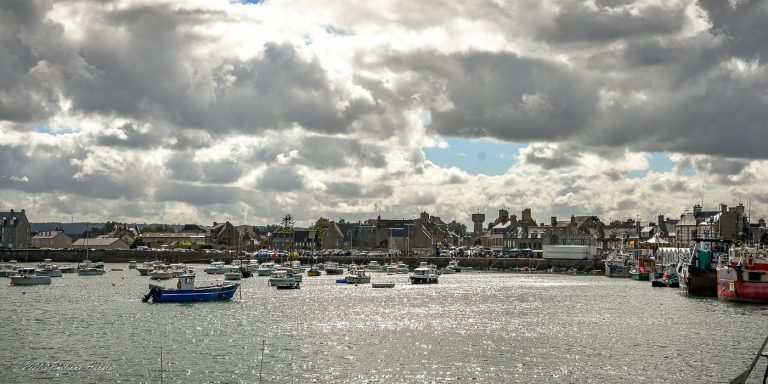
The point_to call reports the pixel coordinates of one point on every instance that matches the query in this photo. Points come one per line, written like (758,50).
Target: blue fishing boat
(186,291)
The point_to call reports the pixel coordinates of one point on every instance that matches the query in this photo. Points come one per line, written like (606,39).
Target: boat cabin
(186,282)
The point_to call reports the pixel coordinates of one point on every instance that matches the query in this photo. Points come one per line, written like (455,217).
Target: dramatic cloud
(216,110)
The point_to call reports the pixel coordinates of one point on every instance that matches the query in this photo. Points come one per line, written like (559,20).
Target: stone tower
(478,219)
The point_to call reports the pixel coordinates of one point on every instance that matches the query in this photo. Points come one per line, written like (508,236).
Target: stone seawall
(124,256)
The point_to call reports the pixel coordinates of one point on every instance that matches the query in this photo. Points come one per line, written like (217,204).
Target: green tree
(137,242)
(287,222)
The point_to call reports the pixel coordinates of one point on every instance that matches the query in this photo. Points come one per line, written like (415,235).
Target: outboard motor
(153,293)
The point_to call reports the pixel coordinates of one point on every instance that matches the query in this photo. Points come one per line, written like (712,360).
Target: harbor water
(484,327)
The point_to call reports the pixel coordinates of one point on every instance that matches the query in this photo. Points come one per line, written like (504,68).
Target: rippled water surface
(480,327)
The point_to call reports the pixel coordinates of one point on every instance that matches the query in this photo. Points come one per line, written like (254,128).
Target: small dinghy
(383,285)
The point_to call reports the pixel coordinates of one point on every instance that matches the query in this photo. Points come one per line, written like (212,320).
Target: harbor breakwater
(123,256)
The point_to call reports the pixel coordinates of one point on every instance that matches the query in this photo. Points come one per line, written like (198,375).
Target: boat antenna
(261,363)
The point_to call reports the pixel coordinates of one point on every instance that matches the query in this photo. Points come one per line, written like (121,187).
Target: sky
(204,110)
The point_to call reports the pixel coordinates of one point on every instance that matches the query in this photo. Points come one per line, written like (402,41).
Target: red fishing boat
(744,277)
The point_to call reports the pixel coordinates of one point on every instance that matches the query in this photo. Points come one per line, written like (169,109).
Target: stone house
(14,230)
(51,239)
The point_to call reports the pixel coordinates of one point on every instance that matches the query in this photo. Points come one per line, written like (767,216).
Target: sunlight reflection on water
(488,327)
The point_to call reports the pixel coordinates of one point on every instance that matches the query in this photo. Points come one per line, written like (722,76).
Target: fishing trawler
(698,275)
(743,276)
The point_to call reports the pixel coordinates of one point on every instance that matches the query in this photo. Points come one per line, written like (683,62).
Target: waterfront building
(101,243)
(126,232)
(725,224)
(51,239)
(14,230)
(294,239)
(158,240)
(225,234)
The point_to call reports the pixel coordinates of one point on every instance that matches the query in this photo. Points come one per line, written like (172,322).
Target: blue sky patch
(42,128)
(658,162)
(475,156)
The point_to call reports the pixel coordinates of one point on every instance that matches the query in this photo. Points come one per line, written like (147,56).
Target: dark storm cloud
(280,178)
(128,135)
(343,190)
(555,160)
(504,96)
(25,94)
(44,169)
(742,25)
(322,152)
(140,63)
(576,22)
(196,194)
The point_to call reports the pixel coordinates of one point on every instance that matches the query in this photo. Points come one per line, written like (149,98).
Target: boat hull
(640,276)
(30,280)
(50,273)
(617,271)
(423,279)
(216,293)
(730,288)
(90,272)
(695,282)
(283,282)
(358,279)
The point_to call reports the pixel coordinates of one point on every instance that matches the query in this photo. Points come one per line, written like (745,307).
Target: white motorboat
(393,269)
(216,267)
(89,268)
(283,279)
(26,276)
(265,269)
(358,276)
(48,268)
(147,267)
(161,272)
(68,268)
(179,270)
(424,275)
(374,266)
(297,267)
(454,264)
(8,269)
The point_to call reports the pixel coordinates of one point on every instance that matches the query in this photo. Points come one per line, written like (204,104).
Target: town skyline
(202,111)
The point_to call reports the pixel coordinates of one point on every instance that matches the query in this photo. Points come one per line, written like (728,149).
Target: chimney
(660,220)
(503,215)
(723,208)
(514,219)
(696,210)
(573,219)
(553,222)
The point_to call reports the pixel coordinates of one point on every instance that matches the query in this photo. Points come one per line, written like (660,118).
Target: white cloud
(202,110)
